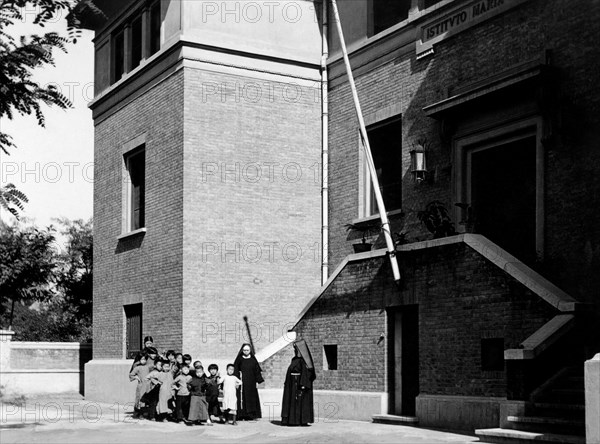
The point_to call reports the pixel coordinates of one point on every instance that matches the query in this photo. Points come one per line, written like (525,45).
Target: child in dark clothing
(182,401)
(212,393)
(198,406)
(151,397)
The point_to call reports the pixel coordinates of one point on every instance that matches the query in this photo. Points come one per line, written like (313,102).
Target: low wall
(458,412)
(592,400)
(41,367)
(107,380)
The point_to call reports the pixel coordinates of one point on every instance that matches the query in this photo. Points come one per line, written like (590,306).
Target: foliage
(62,308)
(75,278)
(401,238)
(19,57)
(468,220)
(364,229)
(436,219)
(12,199)
(26,265)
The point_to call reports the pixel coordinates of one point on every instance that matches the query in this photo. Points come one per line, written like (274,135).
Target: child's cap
(211,366)
(187,357)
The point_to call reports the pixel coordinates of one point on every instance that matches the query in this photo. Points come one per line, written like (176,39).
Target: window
(131,44)
(155,22)
(135,164)
(133,330)
(330,357)
(384,14)
(386,146)
(492,354)
(136,42)
(118,56)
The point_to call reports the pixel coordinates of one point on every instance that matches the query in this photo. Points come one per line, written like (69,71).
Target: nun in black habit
(297,406)
(246,368)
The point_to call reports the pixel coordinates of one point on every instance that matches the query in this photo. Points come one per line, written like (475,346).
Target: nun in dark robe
(246,368)
(297,406)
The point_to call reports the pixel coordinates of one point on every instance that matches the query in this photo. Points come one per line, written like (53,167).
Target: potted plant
(365,230)
(401,238)
(468,217)
(436,219)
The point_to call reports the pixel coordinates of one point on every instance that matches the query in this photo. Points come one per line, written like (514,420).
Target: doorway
(502,188)
(403,349)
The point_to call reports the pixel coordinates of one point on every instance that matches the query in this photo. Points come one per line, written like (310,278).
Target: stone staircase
(556,414)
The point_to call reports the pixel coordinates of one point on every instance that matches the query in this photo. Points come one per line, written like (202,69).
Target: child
(230,385)
(198,370)
(178,363)
(139,373)
(198,405)
(151,396)
(187,360)
(212,392)
(165,381)
(170,355)
(182,401)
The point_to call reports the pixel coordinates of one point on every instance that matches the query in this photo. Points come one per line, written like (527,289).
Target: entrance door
(503,195)
(404,359)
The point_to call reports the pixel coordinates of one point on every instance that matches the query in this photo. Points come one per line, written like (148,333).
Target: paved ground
(78,421)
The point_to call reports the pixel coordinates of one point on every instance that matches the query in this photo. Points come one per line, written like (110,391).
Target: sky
(53,166)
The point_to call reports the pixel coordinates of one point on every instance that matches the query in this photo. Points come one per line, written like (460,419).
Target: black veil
(304,352)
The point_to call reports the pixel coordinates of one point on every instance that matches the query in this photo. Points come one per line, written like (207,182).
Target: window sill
(364,220)
(131,233)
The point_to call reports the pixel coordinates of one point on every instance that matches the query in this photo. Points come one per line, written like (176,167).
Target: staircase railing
(557,344)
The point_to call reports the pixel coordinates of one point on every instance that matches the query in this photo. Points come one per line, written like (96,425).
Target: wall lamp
(418,160)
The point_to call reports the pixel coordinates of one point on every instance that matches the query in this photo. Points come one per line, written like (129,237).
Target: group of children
(171,388)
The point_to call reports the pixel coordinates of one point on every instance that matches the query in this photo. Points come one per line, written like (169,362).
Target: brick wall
(232,212)
(275,368)
(461,297)
(572,195)
(252,216)
(147,268)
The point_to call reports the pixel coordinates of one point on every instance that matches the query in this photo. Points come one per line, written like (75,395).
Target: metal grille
(133,314)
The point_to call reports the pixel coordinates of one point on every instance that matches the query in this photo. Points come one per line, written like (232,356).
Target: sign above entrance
(457,20)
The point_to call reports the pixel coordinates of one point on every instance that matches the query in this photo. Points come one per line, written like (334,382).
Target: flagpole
(367,148)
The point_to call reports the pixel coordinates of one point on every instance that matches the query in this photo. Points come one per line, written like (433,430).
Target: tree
(12,200)
(74,280)
(19,93)
(47,291)
(27,263)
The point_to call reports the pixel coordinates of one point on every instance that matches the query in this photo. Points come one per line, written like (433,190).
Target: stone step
(557,410)
(545,424)
(509,436)
(559,406)
(396,419)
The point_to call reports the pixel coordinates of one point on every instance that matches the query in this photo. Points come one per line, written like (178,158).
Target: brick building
(500,97)
(206,206)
